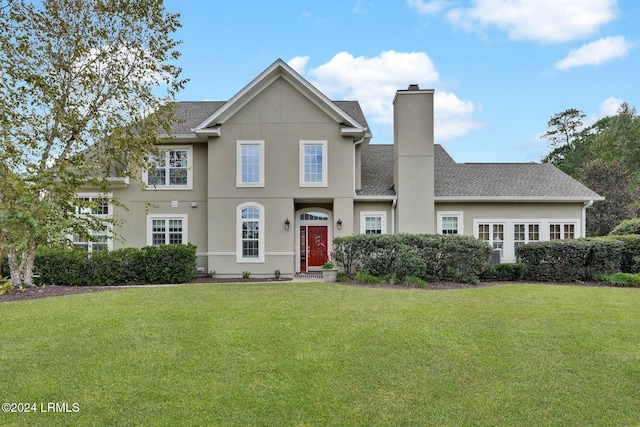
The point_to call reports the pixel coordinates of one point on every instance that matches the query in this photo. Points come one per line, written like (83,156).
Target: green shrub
(571,260)
(61,266)
(504,272)
(629,226)
(630,252)
(362,277)
(428,257)
(415,281)
(151,264)
(342,276)
(624,280)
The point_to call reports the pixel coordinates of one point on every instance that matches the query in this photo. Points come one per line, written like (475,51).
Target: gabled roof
(279,69)
(192,113)
(477,181)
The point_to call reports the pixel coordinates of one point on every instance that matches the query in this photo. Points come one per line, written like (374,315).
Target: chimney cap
(413,86)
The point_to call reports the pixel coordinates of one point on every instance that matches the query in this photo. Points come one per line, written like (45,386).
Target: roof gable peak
(279,69)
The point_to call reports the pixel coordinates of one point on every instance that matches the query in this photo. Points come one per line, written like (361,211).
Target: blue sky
(500,68)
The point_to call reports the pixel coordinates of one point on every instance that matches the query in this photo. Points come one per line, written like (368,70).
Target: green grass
(320,354)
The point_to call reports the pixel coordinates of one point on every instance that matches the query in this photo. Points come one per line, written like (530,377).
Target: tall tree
(85,85)
(619,139)
(569,142)
(609,179)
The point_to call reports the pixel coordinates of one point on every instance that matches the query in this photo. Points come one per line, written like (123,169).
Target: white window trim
(109,231)
(261,233)
(185,224)
(189,186)
(239,145)
(562,224)
(509,223)
(458,214)
(380,214)
(325,162)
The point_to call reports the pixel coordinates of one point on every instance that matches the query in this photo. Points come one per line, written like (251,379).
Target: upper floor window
(93,205)
(250,164)
(250,237)
(373,222)
(173,169)
(313,164)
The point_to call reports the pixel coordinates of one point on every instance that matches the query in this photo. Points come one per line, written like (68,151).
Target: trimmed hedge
(428,257)
(129,266)
(630,252)
(504,272)
(571,260)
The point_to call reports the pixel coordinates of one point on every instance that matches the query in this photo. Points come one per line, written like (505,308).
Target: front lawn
(321,354)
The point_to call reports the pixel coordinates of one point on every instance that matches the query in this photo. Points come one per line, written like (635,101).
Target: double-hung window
(172,169)
(313,164)
(450,222)
(250,240)
(96,207)
(166,230)
(250,164)
(373,222)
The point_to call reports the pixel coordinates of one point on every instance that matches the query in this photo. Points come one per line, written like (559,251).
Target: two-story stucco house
(265,181)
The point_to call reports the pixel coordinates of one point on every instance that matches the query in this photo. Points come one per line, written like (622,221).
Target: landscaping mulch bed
(34,292)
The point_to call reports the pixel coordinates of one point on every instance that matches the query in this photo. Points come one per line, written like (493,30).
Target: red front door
(314,246)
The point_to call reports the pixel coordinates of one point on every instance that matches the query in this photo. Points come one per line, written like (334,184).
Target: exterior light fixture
(287,223)
(339,223)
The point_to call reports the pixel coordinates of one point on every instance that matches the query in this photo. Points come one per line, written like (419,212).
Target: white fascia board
(204,133)
(356,132)
(375,198)
(516,199)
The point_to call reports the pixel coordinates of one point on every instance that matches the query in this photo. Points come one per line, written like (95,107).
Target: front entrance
(313,246)
(313,236)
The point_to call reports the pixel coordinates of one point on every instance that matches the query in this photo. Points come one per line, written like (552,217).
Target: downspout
(393,215)
(354,161)
(584,217)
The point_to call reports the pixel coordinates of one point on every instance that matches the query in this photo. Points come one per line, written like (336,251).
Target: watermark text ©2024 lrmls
(41,407)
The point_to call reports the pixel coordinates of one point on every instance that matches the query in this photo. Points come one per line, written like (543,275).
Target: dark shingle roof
(193,113)
(352,108)
(475,180)
(377,171)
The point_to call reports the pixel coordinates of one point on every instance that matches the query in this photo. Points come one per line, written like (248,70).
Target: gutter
(584,217)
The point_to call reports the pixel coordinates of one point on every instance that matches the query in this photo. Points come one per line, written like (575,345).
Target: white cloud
(595,53)
(548,21)
(374,81)
(427,7)
(608,107)
(298,63)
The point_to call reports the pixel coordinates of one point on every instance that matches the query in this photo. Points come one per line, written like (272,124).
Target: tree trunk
(21,265)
